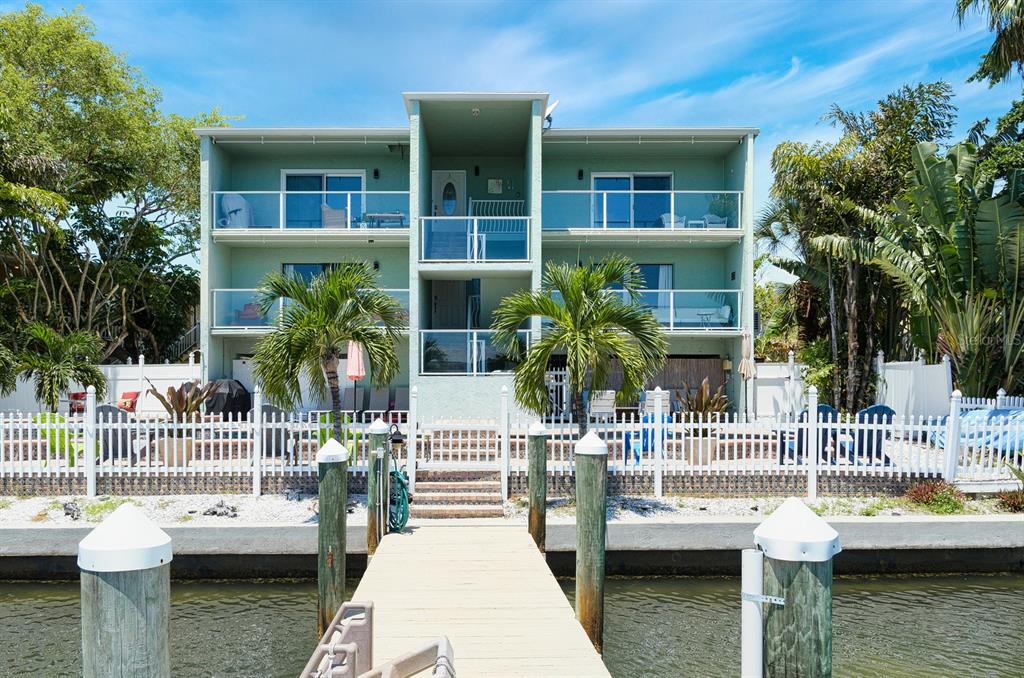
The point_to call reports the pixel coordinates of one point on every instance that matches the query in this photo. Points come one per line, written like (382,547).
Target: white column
(256,449)
(411,440)
(952,447)
(505,447)
(811,427)
(90,441)
(751,628)
(142,376)
(658,444)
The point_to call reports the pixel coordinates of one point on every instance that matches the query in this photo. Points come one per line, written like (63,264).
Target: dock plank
(488,589)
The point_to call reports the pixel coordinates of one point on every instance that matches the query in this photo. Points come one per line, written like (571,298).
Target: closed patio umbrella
(747,369)
(354,369)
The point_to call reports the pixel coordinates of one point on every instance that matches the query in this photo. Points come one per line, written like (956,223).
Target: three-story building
(462,207)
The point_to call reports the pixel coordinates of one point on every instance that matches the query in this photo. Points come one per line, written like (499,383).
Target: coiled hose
(398,513)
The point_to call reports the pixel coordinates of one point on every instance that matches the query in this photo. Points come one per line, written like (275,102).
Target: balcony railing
(475,239)
(690,310)
(664,210)
(463,352)
(335,210)
(240,309)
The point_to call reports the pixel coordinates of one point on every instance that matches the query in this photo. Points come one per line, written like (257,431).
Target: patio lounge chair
(829,418)
(602,405)
(868,443)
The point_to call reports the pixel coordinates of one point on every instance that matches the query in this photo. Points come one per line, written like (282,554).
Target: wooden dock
(488,589)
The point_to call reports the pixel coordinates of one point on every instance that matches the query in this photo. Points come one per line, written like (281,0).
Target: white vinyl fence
(778,388)
(914,388)
(651,442)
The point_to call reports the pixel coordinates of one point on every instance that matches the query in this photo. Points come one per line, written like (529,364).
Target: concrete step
(456,511)
(458,486)
(430,476)
(447,498)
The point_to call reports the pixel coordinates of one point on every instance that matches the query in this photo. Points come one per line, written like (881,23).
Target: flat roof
(650,132)
(257,134)
(409,97)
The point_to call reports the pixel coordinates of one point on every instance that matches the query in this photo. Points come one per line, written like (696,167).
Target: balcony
(474,239)
(690,311)
(270,213)
(692,212)
(237,311)
(463,352)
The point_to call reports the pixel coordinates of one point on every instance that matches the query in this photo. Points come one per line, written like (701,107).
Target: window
(323,199)
(306,271)
(631,200)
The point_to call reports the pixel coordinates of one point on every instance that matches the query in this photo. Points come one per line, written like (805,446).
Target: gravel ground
(290,509)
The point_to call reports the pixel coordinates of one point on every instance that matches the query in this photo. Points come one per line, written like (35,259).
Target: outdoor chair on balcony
(865,444)
(601,405)
(249,315)
(793,450)
(236,212)
(333,217)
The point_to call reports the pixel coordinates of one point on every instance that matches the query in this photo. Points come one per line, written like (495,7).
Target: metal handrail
(476,242)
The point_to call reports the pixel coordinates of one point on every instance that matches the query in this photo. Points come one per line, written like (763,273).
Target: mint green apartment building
(465,205)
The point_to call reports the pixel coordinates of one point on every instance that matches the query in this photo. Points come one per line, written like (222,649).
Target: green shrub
(1012,501)
(937,496)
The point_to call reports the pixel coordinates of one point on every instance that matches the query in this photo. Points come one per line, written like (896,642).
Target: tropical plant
(1006,19)
(955,246)
(937,496)
(55,362)
(8,371)
(702,401)
(315,326)
(184,402)
(1013,500)
(582,317)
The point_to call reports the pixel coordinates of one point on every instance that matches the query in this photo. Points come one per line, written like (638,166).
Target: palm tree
(1006,18)
(57,362)
(591,324)
(316,324)
(8,371)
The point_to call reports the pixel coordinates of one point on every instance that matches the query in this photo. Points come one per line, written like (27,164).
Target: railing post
(880,379)
(672,209)
(256,421)
(126,593)
(332,467)
(90,441)
(948,369)
(142,376)
(811,428)
(537,483)
(412,440)
(952,447)
(378,432)
(505,443)
(1001,399)
(280,209)
(591,459)
(794,384)
(658,444)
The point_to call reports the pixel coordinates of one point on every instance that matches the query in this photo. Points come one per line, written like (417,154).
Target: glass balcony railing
(666,210)
(336,210)
(681,310)
(240,309)
(463,352)
(475,239)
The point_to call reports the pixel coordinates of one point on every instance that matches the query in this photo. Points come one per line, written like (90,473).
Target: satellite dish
(547,113)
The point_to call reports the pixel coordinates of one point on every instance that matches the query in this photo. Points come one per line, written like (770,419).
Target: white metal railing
(679,310)
(344,210)
(475,239)
(632,209)
(463,352)
(239,308)
(655,440)
(497,208)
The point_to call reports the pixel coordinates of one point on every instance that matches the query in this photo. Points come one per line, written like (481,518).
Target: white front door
(448,193)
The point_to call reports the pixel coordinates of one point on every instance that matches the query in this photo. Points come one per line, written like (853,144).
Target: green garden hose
(398,513)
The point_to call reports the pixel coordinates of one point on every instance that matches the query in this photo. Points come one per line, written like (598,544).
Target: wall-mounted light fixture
(376,173)
(376,265)
(579,175)
(476,170)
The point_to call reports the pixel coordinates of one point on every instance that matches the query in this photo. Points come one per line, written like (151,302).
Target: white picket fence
(654,442)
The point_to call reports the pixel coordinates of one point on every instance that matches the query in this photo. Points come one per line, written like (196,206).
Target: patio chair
(829,418)
(128,400)
(333,217)
(601,405)
(347,402)
(76,402)
(868,442)
(379,400)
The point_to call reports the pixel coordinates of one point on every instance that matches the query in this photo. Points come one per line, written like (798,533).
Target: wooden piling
(332,465)
(537,483)
(591,455)
(798,549)
(126,593)
(378,432)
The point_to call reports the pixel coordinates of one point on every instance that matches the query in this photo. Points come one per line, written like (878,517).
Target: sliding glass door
(323,200)
(632,200)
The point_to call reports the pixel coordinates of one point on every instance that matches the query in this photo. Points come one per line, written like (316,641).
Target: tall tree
(98,206)
(592,324)
(316,324)
(1006,19)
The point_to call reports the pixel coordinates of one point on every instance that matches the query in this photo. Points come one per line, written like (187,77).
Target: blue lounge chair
(829,418)
(868,443)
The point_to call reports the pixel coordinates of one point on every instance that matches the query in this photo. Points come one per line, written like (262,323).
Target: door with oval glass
(448,195)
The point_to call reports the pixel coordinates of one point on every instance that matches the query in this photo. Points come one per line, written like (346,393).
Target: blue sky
(773,65)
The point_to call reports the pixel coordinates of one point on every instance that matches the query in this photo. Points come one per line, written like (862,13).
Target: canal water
(891,627)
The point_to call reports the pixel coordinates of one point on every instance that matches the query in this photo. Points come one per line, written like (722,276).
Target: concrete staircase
(457,494)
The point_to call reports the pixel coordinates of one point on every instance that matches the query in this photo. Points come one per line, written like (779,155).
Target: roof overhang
(639,134)
(304,134)
(410,97)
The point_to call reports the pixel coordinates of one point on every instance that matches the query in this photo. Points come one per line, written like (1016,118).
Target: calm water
(884,627)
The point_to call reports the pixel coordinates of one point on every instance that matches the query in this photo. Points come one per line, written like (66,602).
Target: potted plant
(702,405)
(183,404)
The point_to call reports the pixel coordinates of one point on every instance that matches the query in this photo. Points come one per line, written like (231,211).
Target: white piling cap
(796,533)
(378,426)
(126,541)
(332,452)
(591,444)
(537,429)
